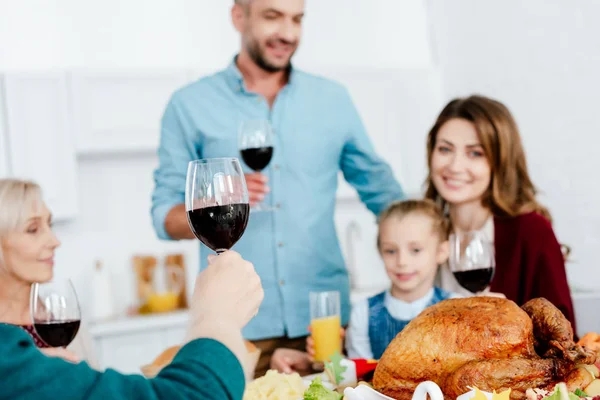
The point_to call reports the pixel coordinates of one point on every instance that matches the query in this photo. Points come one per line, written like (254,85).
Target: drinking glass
(216,202)
(472,260)
(55,312)
(256,148)
(325,324)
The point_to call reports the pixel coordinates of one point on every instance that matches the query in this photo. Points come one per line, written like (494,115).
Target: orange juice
(326,334)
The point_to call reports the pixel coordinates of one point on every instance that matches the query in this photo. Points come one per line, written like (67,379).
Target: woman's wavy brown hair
(511,191)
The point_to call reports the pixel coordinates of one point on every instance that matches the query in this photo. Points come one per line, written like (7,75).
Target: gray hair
(17,198)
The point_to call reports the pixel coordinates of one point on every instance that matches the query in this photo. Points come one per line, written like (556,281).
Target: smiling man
(318,132)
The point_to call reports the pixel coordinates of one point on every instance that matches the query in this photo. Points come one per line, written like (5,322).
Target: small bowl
(162,302)
(365,392)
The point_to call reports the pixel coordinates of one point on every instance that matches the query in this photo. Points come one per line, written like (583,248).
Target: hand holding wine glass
(55,312)
(227,296)
(257,187)
(256,149)
(472,260)
(229,289)
(216,202)
(61,352)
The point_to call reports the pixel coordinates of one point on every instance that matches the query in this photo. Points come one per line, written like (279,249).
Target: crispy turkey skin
(481,341)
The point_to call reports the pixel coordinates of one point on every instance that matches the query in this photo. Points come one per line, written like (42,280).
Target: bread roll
(166,357)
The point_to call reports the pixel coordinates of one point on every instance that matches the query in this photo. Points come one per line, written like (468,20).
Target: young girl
(413,242)
(478,173)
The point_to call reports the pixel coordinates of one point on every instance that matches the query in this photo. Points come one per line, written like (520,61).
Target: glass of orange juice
(325,324)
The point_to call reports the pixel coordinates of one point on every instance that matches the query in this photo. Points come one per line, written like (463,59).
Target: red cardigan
(529,262)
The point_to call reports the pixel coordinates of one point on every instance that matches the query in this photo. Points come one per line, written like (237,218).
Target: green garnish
(316,391)
(557,393)
(580,393)
(334,369)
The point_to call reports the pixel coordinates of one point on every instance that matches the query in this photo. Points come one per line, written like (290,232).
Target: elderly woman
(27,246)
(227,295)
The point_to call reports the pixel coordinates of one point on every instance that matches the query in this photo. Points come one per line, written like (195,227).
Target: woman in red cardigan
(478,173)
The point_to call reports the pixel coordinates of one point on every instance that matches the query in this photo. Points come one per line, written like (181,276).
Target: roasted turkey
(487,342)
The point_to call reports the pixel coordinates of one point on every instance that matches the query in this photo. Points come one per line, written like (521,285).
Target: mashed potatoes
(275,386)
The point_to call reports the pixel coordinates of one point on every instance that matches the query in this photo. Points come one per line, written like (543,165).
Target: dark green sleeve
(203,369)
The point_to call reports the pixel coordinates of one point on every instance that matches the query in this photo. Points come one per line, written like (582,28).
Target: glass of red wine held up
(55,312)
(472,260)
(256,148)
(216,202)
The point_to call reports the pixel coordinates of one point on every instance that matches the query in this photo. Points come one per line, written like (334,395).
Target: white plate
(324,379)
(364,392)
(424,389)
(323,375)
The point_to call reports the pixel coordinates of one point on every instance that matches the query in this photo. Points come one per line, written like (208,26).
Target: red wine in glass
(55,312)
(216,202)
(257,158)
(219,227)
(475,280)
(256,148)
(57,333)
(472,260)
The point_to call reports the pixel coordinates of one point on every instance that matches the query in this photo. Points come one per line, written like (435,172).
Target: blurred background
(84,83)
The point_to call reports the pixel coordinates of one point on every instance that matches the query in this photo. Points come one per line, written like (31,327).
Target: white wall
(120,36)
(541,58)
(41,34)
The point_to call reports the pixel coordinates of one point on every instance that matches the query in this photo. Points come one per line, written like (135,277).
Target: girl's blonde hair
(17,199)
(429,208)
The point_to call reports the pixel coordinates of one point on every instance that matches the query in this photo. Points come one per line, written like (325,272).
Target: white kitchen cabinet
(127,353)
(37,137)
(116,112)
(175,335)
(129,343)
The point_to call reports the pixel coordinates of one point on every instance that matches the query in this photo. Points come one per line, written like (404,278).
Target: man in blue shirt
(318,132)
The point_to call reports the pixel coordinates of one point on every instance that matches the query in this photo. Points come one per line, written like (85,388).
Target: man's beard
(259,59)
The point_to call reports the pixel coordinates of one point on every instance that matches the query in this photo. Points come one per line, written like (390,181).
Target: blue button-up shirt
(318,132)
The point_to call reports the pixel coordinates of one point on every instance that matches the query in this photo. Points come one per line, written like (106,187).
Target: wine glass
(472,260)
(216,202)
(256,148)
(55,312)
